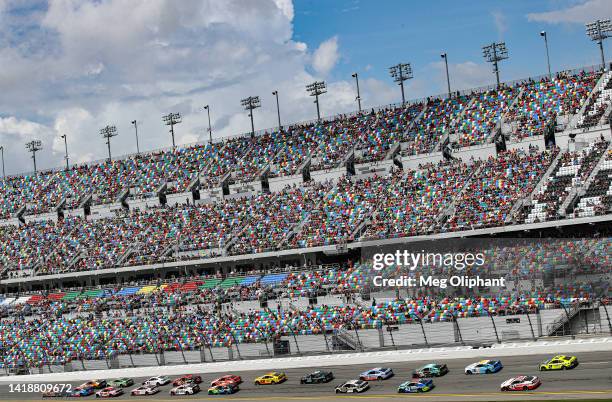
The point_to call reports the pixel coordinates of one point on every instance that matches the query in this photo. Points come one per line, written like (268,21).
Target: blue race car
(378,373)
(80,392)
(416,386)
(484,367)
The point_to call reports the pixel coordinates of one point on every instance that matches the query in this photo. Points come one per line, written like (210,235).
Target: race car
(79,392)
(430,370)
(317,377)
(223,389)
(484,367)
(196,379)
(559,362)
(95,384)
(226,379)
(121,382)
(412,387)
(159,380)
(378,373)
(109,392)
(271,378)
(189,388)
(352,386)
(145,390)
(521,383)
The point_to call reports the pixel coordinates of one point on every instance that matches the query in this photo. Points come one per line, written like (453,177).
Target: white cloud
(114,61)
(22,129)
(465,75)
(326,56)
(500,23)
(584,12)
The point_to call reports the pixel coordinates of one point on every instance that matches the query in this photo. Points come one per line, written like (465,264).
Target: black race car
(317,377)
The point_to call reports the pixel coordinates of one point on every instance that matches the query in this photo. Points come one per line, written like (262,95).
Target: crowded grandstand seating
(412,201)
(434,124)
(483,114)
(400,204)
(495,187)
(598,104)
(571,171)
(98,323)
(420,127)
(597,199)
(541,102)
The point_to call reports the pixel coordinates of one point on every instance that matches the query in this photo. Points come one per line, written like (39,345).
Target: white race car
(159,380)
(145,390)
(185,389)
(521,383)
(353,386)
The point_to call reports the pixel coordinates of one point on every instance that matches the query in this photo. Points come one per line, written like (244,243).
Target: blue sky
(74,66)
(373,35)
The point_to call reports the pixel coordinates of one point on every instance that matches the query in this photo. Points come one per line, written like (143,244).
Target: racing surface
(592,379)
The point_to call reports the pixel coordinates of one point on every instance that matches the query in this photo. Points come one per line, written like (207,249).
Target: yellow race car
(271,378)
(559,362)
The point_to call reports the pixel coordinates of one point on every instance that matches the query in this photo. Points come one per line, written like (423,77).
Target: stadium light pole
(251,103)
(172,119)
(445,57)
(63,136)
(207,108)
(34,146)
(598,31)
(108,132)
(545,36)
(275,93)
(400,73)
(3,172)
(494,53)
(316,89)
(135,124)
(358,98)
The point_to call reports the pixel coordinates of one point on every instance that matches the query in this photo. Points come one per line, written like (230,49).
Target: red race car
(521,383)
(109,392)
(226,379)
(189,378)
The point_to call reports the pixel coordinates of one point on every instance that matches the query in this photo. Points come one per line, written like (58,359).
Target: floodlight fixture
(400,73)
(33,147)
(598,31)
(172,119)
(317,89)
(251,103)
(494,53)
(108,132)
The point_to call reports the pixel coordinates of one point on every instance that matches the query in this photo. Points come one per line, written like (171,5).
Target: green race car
(121,382)
(559,362)
(431,370)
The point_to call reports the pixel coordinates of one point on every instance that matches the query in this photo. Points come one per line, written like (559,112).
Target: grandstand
(228,246)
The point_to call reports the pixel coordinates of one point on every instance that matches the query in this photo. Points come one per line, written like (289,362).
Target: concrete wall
(321,176)
(563,139)
(536,141)
(477,152)
(412,162)
(279,183)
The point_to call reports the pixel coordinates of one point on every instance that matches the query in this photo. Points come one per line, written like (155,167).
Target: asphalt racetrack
(592,379)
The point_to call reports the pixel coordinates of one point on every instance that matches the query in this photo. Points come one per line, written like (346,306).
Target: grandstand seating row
(443,197)
(528,107)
